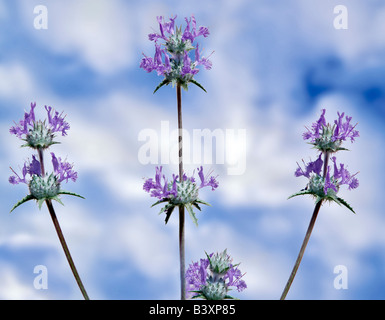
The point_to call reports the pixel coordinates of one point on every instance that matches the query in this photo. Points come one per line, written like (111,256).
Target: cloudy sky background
(276,65)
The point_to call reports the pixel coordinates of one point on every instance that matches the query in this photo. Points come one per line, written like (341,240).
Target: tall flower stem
(307,236)
(181,208)
(60,234)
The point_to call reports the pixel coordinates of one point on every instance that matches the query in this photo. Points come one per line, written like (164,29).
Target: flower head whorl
(40,134)
(212,278)
(44,186)
(178,192)
(172,57)
(329,138)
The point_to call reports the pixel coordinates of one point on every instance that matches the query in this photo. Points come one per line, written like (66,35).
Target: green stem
(181,208)
(60,233)
(307,236)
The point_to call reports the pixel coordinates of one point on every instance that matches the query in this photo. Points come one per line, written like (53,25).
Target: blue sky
(276,64)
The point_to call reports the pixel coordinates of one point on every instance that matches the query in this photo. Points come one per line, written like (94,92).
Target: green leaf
(40,203)
(25,199)
(184,85)
(70,194)
(202,202)
(300,193)
(198,295)
(58,200)
(168,213)
(165,208)
(198,84)
(196,206)
(192,213)
(164,82)
(158,202)
(347,205)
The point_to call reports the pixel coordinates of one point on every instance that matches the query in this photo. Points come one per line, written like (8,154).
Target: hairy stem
(60,233)
(307,236)
(181,208)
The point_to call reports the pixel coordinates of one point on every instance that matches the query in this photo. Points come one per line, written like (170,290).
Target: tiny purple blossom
(63,170)
(196,274)
(317,127)
(329,183)
(212,182)
(344,130)
(16,178)
(205,62)
(21,128)
(344,175)
(315,166)
(57,122)
(34,167)
(159,189)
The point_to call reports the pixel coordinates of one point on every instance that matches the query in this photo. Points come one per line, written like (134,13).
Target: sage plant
(324,180)
(177,58)
(213,278)
(44,186)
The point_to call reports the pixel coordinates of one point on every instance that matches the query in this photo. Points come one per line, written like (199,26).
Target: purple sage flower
(329,138)
(47,186)
(40,134)
(329,185)
(176,192)
(177,55)
(205,280)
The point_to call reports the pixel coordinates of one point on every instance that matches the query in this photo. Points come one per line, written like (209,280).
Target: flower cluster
(212,278)
(62,171)
(173,57)
(323,183)
(178,192)
(39,135)
(327,137)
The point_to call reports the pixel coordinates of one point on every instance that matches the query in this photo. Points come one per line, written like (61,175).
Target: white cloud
(14,288)
(99,32)
(16,81)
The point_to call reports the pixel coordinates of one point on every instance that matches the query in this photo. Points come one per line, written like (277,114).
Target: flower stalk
(65,249)
(181,208)
(43,187)
(307,237)
(59,232)
(177,57)
(327,139)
